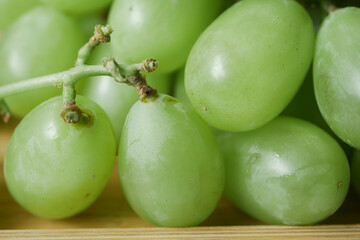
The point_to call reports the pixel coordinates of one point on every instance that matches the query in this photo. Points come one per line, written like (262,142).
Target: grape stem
(129,74)
(55,79)
(101,35)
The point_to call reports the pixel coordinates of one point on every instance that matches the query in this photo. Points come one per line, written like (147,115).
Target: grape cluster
(235,69)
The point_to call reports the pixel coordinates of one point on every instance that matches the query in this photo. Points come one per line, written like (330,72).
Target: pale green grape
(160,29)
(10,10)
(248,64)
(117,98)
(337,73)
(286,172)
(41,42)
(170,165)
(55,169)
(78,6)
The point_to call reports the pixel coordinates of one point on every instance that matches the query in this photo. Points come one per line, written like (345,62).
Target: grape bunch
(264,107)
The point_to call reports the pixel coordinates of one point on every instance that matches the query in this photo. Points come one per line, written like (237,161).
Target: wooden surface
(239,232)
(111,217)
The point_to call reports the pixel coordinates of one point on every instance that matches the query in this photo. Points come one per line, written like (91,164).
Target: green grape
(337,72)
(55,169)
(117,98)
(248,64)
(10,10)
(41,42)
(286,172)
(170,165)
(78,6)
(160,29)
(179,88)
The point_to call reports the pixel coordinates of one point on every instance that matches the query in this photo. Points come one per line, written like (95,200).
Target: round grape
(55,169)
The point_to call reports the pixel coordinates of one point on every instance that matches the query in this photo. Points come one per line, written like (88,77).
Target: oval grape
(170,165)
(286,172)
(248,64)
(337,73)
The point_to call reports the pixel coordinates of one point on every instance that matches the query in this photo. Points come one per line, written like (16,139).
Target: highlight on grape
(254,100)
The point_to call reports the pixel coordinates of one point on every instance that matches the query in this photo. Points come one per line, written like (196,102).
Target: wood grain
(351,232)
(111,217)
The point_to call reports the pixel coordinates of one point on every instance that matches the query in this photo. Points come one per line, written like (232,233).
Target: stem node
(150,64)
(113,68)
